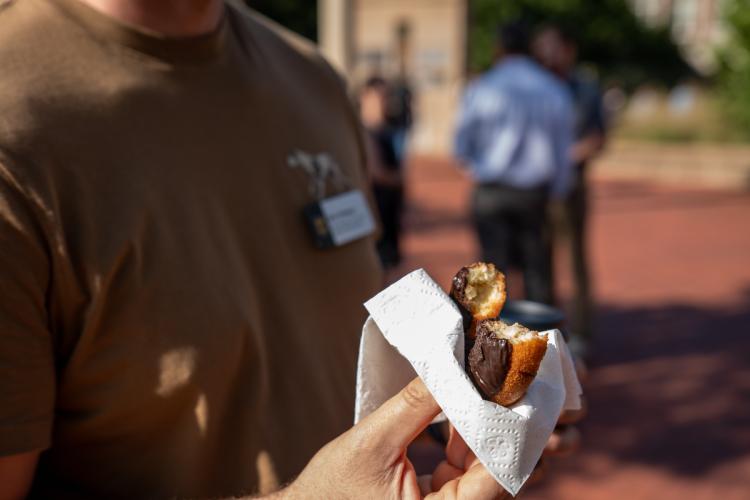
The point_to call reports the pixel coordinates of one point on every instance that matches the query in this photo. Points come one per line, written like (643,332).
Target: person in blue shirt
(514,133)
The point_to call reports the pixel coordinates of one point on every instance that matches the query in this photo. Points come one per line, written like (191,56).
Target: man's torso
(518,108)
(202,345)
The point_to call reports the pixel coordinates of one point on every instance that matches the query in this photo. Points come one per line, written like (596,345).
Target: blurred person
(385,168)
(399,96)
(514,133)
(398,115)
(557,50)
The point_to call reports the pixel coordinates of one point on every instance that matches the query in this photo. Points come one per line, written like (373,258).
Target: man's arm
(465,135)
(16,474)
(595,135)
(562,135)
(27,374)
(587,147)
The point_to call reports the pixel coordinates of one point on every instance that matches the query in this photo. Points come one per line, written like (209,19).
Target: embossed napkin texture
(414,328)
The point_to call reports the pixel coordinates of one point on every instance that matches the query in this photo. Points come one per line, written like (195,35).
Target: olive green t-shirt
(167,327)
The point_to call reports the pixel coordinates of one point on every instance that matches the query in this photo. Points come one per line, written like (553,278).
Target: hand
(587,148)
(369,460)
(565,439)
(460,475)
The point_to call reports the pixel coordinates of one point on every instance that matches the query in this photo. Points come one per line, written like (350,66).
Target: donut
(479,292)
(503,360)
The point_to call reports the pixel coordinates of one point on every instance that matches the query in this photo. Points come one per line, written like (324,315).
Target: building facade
(420,41)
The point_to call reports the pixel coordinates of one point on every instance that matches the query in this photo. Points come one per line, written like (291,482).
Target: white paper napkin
(414,328)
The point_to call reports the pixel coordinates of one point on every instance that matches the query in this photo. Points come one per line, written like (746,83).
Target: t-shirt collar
(184,50)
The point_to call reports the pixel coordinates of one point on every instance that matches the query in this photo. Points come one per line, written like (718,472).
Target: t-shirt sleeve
(27,374)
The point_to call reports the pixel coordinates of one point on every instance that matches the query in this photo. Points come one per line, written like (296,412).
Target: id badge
(340,219)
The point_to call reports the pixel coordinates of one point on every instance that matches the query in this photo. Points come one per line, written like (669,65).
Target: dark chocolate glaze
(488,362)
(458,294)
(459,283)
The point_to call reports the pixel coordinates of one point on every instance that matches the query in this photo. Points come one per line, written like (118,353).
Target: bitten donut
(504,359)
(479,292)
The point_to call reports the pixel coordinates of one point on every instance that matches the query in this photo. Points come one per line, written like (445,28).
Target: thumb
(400,419)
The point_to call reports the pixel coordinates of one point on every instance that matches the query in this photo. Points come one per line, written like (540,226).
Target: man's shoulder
(270,31)
(31,55)
(546,78)
(521,71)
(585,82)
(19,24)
(9,12)
(36,44)
(585,76)
(553,85)
(283,44)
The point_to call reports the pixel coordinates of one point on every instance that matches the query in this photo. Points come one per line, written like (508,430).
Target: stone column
(335,32)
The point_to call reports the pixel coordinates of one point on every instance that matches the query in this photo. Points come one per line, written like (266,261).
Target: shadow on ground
(670,386)
(669,391)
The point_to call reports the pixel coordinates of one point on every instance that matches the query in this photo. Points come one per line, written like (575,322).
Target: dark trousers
(511,225)
(390,202)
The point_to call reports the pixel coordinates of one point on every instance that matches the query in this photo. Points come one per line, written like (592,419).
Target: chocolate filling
(459,283)
(488,362)
(458,294)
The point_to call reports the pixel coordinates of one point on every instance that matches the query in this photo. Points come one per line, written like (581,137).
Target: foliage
(734,74)
(299,16)
(609,36)
(703,122)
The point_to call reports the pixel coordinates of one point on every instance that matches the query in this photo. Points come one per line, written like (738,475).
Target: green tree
(608,34)
(734,73)
(300,16)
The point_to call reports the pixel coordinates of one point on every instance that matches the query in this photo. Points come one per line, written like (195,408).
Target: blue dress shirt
(515,127)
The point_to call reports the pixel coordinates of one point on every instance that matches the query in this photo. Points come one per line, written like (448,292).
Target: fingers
(398,421)
(538,473)
(471,460)
(443,473)
(483,487)
(581,369)
(425,484)
(573,416)
(563,441)
(456,449)
(475,484)
(458,453)
(462,475)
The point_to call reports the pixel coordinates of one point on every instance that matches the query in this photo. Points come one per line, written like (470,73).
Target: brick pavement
(669,385)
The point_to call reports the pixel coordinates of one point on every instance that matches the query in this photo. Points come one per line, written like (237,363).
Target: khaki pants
(572,230)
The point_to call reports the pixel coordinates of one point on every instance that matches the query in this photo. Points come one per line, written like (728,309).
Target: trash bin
(532,315)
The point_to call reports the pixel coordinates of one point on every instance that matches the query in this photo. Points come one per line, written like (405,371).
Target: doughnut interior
(527,351)
(480,288)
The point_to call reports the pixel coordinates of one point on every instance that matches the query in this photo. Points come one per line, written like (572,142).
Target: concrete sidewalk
(669,386)
(725,166)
